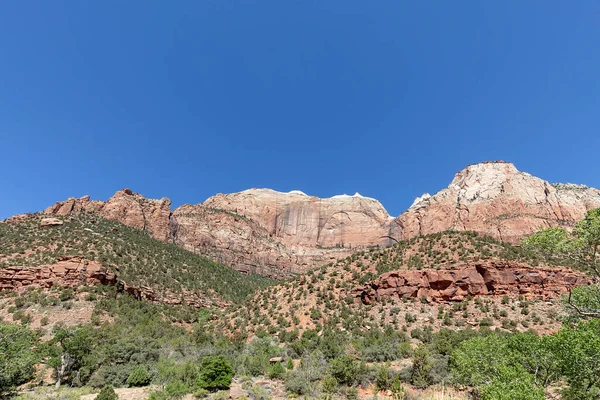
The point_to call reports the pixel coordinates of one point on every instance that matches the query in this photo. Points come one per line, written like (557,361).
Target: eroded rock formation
(493,278)
(278,234)
(496,199)
(258,230)
(127,207)
(78,271)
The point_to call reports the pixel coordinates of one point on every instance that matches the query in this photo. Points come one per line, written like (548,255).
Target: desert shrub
(107,393)
(216,373)
(329,384)
(346,370)
(139,377)
(276,371)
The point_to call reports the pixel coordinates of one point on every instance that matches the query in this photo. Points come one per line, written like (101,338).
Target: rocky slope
(279,234)
(258,230)
(437,280)
(496,199)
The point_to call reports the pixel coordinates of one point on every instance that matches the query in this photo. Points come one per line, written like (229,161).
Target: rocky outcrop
(67,272)
(127,207)
(491,278)
(496,199)
(51,222)
(77,271)
(301,220)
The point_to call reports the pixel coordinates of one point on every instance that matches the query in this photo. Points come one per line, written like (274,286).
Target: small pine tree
(139,377)
(107,393)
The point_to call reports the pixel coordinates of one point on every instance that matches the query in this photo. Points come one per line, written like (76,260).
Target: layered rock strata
(77,271)
(496,199)
(491,278)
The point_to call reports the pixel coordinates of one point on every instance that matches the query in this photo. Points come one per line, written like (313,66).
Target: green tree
(578,351)
(421,367)
(494,368)
(17,356)
(216,373)
(580,248)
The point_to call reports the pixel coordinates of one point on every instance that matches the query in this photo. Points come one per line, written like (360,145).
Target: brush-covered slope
(335,293)
(145,266)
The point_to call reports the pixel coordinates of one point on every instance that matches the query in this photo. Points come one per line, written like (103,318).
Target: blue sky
(387,98)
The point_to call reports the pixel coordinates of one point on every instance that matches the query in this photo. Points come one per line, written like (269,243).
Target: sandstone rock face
(255,231)
(50,222)
(278,234)
(132,209)
(68,272)
(493,278)
(77,271)
(301,220)
(496,199)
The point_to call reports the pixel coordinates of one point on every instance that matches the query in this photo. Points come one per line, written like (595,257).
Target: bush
(216,373)
(297,383)
(345,369)
(107,393)
(139,377)
(177,389)
(329,384)
(276,371)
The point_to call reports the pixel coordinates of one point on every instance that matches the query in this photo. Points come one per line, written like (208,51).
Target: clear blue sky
(186,99)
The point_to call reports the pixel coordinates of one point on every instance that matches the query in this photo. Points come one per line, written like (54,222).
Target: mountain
(496,199)
(254,231)
(281,234)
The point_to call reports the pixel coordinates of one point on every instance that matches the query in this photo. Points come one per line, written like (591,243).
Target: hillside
(152,269)
(280,234)
(334,295)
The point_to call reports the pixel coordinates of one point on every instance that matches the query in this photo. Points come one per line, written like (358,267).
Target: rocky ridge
(255,231)
(496,199)
(279,234)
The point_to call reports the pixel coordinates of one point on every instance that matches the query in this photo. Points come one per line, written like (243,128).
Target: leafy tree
(578,352)
(17,356)
(216,373)
(580,248)
(491,366)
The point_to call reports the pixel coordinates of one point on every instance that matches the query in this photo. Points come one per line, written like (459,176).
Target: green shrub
(216,373)
(139,377)
(276,371)
(329,384)
(176,389)
(107,393)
